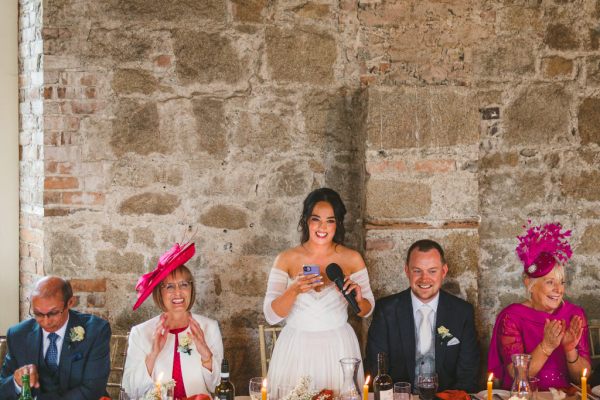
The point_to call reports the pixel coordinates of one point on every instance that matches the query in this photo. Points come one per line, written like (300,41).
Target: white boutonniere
(444,333)
(76,334)
(185,345)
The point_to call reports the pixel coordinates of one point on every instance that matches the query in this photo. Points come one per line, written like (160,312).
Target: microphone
(335,274)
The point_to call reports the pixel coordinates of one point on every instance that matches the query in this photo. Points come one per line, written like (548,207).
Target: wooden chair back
(267,336)
(118,354)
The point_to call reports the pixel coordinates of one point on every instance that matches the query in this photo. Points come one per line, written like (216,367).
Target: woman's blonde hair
(187,275)
(558,270)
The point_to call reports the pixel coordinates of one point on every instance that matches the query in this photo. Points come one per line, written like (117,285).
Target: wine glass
(255,387)
(427,384)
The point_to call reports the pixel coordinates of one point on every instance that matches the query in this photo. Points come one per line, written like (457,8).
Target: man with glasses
(65,353)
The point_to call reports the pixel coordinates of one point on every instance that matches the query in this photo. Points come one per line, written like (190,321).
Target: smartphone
(310,269)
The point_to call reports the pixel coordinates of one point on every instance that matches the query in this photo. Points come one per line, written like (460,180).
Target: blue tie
(52,352)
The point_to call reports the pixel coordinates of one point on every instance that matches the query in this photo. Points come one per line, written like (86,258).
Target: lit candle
(263,390)
(366,388)
(584,385)
(490,382)
(157,384)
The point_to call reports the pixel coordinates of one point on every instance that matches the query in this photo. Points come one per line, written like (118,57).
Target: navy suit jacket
(83,368)
(392,331)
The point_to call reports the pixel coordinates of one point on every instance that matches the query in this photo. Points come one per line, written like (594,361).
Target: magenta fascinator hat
(541,247)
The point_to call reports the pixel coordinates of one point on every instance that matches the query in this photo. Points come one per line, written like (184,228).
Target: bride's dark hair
(339,211)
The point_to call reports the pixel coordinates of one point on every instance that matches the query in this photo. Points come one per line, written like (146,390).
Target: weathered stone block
(149,203)
(116,237)
(590,241)
(390,199)
(249,10)
(88,285)
(556,66)
(290,179)
(131,171)
(589,120)
(499,60)
(592,66)
(300,56)
(135,129)
(126,81)
(96,300)
(539,114)
(226,217)
(265,245)
(494,161)
(205,57)
(66,255)
(152,11)
(585,186)
(462,253)
(117,45)
(210,123)
(144,236)
(261,133)
(561,37)
(511,190)
(421,117)
(119,262)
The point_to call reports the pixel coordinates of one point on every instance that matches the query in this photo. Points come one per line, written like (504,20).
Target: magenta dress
(519,329)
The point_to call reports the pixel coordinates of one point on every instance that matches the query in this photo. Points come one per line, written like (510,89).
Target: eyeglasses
(182,285)
(49,315)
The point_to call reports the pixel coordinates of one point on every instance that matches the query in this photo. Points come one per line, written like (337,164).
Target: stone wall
(452,120)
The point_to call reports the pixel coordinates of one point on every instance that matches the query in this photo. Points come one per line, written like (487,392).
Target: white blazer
(196,378)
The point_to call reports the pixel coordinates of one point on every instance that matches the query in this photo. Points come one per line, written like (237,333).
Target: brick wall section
(31,147)
(162,117)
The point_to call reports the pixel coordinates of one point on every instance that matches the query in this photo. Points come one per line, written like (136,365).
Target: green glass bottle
(225,390)
(25,389)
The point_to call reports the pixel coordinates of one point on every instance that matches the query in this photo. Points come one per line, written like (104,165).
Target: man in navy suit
(424,329)
(66,353)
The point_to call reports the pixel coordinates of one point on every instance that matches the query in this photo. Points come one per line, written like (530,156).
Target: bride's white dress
(315,337)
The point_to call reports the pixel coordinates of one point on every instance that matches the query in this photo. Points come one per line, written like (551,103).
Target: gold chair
(118,354)
(267,336)
(3,349)
(594,329)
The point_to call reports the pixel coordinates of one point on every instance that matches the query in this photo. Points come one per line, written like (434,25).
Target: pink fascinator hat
(168,262)
(541,247)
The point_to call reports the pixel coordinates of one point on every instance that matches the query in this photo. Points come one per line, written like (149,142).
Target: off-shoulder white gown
(315,337)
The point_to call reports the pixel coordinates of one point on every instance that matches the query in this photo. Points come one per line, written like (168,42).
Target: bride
(316,334)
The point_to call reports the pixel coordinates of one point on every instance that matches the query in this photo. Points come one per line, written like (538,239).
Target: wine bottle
(225,389)
(383,386)
(25,389)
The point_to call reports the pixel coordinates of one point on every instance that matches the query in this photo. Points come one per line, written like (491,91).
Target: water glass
(533,384)
(254,388)
(427,385)
(283,391)
(402,391)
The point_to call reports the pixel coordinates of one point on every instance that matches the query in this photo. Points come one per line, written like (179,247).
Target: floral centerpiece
(159,391)
(302,391)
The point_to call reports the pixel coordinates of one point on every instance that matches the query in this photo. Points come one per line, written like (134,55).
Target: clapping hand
(197,335)
(554,331)
(573,333)
(159,338)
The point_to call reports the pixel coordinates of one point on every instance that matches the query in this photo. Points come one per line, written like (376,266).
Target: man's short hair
(63,288)
(425,245)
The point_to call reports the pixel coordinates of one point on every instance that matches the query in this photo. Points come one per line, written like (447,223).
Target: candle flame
(490,377)
(368,379)
(264,384)
(584,372)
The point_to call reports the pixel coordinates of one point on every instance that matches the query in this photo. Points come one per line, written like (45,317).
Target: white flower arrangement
(444,332)
(301,391)
(77,334)
(185,345)
(156,394)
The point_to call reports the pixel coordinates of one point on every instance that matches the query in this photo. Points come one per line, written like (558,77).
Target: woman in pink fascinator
(177,344)
(546,326)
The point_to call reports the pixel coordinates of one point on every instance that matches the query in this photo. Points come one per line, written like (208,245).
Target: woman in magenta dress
(552,330)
